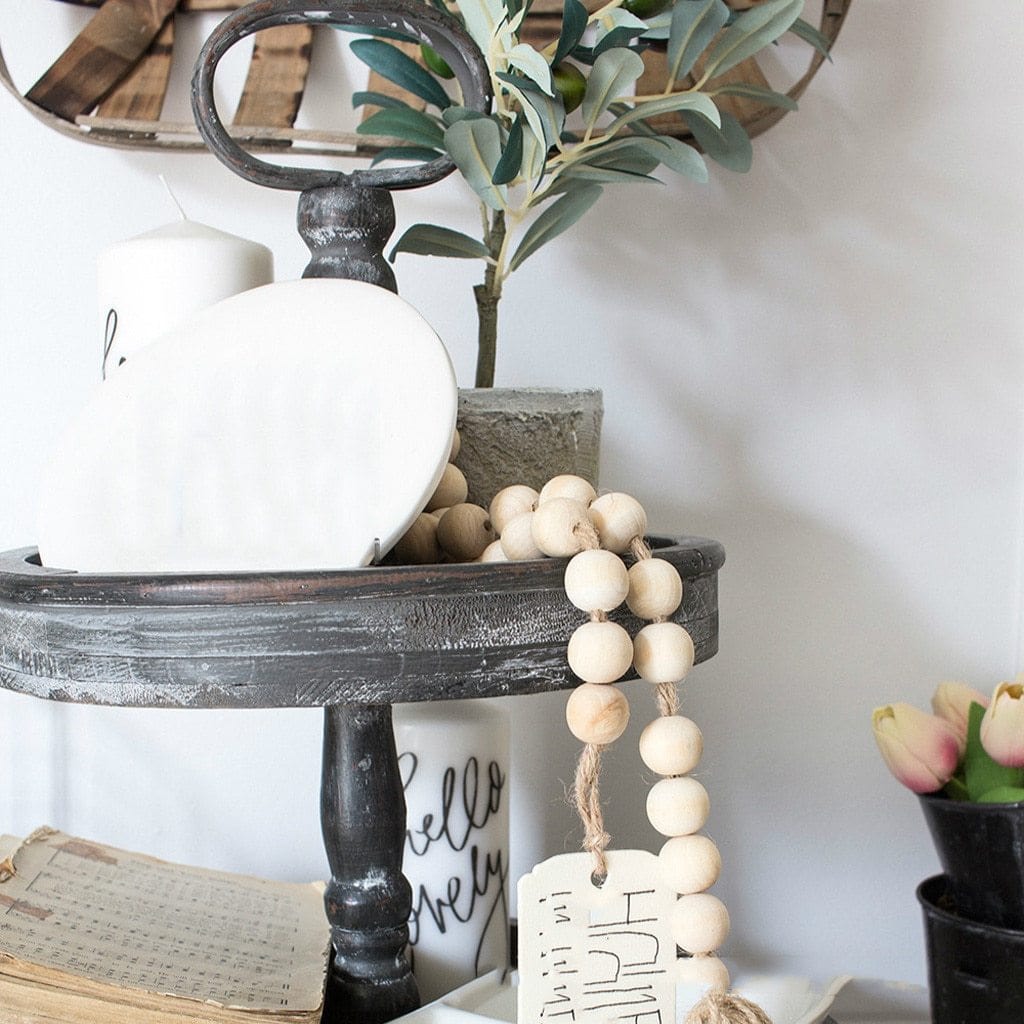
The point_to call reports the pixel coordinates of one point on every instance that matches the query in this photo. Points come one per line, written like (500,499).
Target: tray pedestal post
(368,900)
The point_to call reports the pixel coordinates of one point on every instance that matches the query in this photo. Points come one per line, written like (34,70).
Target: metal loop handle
(412,17)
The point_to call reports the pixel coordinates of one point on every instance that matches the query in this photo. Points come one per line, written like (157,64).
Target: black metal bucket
(981,849)
(975,971)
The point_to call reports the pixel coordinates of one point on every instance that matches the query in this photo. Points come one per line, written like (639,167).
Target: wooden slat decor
(108,86)
(141,95)
(103,53)
(277,77)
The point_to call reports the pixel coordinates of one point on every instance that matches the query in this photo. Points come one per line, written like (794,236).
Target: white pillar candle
(150,284)
(454,760)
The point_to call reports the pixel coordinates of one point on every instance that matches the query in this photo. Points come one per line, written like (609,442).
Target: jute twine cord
(586,788)
(726,1008)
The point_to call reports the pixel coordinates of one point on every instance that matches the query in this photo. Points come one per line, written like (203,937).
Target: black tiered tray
(353,642)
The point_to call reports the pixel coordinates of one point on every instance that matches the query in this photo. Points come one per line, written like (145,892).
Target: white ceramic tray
(787,1000)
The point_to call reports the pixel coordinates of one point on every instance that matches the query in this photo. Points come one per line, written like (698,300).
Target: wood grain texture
(141,95)
(100,56)
(305,640)
(277,75)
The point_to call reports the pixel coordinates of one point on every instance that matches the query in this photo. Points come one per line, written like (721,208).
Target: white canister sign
(454,761)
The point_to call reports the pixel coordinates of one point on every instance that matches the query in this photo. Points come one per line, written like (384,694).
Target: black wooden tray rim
(23,580)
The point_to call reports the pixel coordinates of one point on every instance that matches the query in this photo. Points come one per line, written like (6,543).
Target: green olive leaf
(751,31)
(475,146)
(694,24)
(433,240)
(727,144)
(558,217)
(613,75)
(404,123)
(395,66)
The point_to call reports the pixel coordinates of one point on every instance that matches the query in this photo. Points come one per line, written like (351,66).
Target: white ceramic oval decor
(286,428)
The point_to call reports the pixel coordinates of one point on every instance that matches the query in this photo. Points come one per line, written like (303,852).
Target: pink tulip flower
(952,703)
(921,750)
(1002,728)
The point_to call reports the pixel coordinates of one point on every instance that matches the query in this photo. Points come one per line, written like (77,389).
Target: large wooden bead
(619,518)
(597,714)
(699,923)
(456,446)
(600,652)
(418,546)
(678,807)
(561,527)
(568,486)
(517,539)
(464,531)
(510,502)
(704,971)
(596,581)
(494,552)
(655,589)
(452,489)
(671,745)
(689,864)
(663,652)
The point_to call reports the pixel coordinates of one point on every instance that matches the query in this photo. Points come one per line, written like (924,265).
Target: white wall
(818,363)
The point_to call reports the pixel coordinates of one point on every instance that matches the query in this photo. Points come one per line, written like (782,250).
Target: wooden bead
(464,531)
(619,518)
(517,539)
(597,714)
(671,745)
(437,513)
(678,807)
(655,589)
(600,652)
(561,527)
(452,489)
(418,545)
(699,923)
(493,553)
(596,581)
(662,652)
(567,486)
(509,503)
(456,446)
(689,864)
(705,972)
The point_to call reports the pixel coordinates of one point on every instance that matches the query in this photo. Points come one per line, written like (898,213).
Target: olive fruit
(570,83)
(435,62)
(645,8)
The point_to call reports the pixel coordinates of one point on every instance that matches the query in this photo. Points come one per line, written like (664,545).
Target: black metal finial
(341,215)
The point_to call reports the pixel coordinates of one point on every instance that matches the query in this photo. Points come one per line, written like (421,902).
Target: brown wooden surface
(141,95)
(277,77)
(304,640)
(100,56)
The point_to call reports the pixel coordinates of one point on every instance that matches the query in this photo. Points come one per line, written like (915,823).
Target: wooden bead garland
(567,519)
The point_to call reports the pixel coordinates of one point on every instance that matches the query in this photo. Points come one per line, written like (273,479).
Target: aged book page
(128,929)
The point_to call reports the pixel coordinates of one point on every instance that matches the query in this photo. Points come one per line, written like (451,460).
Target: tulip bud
(921,750)
(952,703)
(1002,728)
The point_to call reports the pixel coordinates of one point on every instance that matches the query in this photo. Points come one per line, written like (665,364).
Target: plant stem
(487,297)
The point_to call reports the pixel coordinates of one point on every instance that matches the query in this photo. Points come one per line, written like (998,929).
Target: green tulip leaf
(395,66)
(558,217)
(511,161)
(420,154)
(809,34)
(768,97)
(612,76)
(433,240)
(405,123)
(753,30)
(376,99)
(475,146)
(981,773)
(955,789)
(1003,795)
(684,101)
(694,24)
(574,24)
(728,145)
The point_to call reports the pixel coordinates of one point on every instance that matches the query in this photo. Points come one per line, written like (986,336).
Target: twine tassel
(587,798)
(726,1008)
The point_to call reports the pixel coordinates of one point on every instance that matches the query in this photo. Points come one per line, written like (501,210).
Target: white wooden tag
(590,955)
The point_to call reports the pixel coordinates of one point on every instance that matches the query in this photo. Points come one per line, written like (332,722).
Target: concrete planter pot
(527,436)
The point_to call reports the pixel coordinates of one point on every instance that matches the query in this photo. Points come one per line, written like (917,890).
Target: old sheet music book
(97,935)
